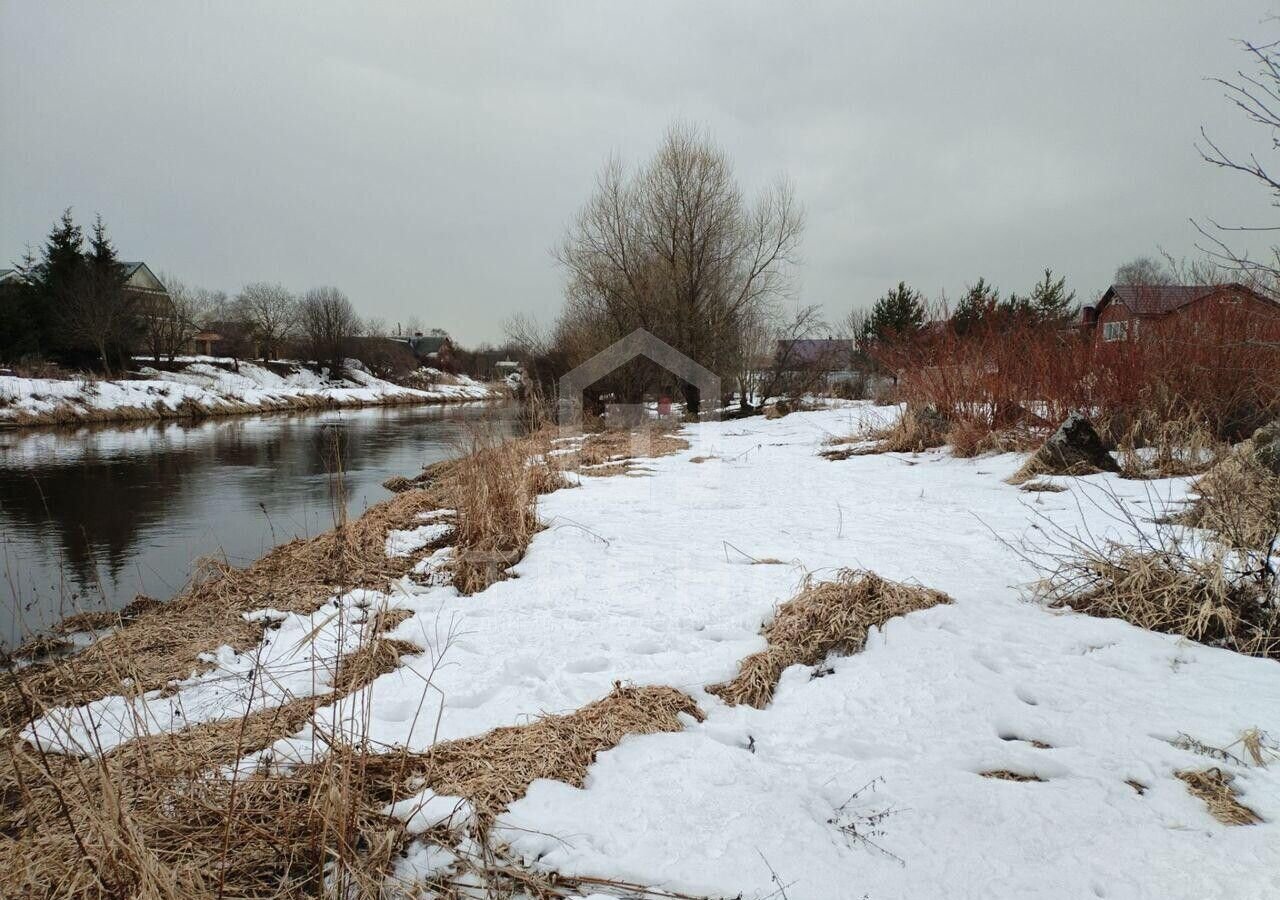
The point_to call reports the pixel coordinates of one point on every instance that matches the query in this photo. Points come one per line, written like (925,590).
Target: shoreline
(205,389)
(71,415)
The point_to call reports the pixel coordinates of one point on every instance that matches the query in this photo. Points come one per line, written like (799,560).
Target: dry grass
(825,617)
(155,820)
(1239,499)
(918,428)
(495,769)
(1150,447)
(622,447)
(1172,591)
(1213,786)
(494,487)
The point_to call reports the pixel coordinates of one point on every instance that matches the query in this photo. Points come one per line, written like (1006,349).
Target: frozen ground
(862,782)
(212,387)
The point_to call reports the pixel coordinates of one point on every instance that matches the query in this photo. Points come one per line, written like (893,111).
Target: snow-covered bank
(209,386)
(862,777)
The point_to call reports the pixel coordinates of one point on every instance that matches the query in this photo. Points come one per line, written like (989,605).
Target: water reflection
(90,517)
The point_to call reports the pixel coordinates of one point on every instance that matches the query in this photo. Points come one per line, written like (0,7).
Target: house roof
(427,343)
(831,351)
(138,275)
(1159,299)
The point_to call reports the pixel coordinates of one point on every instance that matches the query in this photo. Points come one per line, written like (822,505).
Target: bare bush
(270,312)
(328,323)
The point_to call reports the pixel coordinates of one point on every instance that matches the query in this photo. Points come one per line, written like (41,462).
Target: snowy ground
(215,389)
(649,580)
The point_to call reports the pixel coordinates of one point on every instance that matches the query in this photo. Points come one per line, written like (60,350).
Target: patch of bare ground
(1008,775)
(1041,487)
(1213,786)
(824,618)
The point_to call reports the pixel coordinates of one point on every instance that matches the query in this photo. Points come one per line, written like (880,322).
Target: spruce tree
(978,307)
(897,315)
(54,280)
(1052,302)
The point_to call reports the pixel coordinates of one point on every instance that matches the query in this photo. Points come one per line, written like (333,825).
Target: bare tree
(1257,95)
(1144,271)
(675,249)
(328,321)
(269,311)
(169,323)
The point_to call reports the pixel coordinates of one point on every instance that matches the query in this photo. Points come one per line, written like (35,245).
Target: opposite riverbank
(205,387)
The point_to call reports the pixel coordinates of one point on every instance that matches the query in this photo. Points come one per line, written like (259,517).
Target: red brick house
(1128,311)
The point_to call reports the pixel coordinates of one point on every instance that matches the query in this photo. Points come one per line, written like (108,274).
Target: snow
(650,580)
(214,388)
(405,542)
(298,657)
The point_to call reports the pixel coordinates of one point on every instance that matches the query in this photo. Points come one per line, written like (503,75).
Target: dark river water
(91,517)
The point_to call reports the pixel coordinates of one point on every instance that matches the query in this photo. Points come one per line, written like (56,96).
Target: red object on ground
(664,406)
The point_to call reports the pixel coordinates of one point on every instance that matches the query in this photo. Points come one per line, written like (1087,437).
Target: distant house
(827,354)
(434,349)
(145,288)
(1126,311)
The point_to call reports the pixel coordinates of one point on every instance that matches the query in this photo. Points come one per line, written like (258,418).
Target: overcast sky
(426,157)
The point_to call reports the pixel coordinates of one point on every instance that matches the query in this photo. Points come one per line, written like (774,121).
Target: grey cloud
(426,157)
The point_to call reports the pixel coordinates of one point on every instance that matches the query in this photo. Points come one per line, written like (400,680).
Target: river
(90,517)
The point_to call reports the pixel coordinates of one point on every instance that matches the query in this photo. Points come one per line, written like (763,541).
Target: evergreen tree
(898,314)
(978,307)
(55,279)
(100,314)
(1015,310)
(20,335)
(1051,300)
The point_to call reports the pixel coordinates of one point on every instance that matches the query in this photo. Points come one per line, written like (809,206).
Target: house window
(1115,331)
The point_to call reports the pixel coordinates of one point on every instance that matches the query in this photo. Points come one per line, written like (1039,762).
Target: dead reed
(1213,786)
(1173,582)
(824,618)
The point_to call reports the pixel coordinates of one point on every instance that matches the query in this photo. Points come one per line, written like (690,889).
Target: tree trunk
(692,399)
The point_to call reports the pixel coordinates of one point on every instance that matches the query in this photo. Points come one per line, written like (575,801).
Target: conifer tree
(979,306)
(897,315)
(1051,300)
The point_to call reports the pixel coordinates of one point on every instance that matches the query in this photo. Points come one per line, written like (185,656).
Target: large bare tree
(329,321)
(270,313)
(676,249)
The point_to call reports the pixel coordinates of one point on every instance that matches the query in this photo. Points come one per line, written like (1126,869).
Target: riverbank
(544,666)
(205,387)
